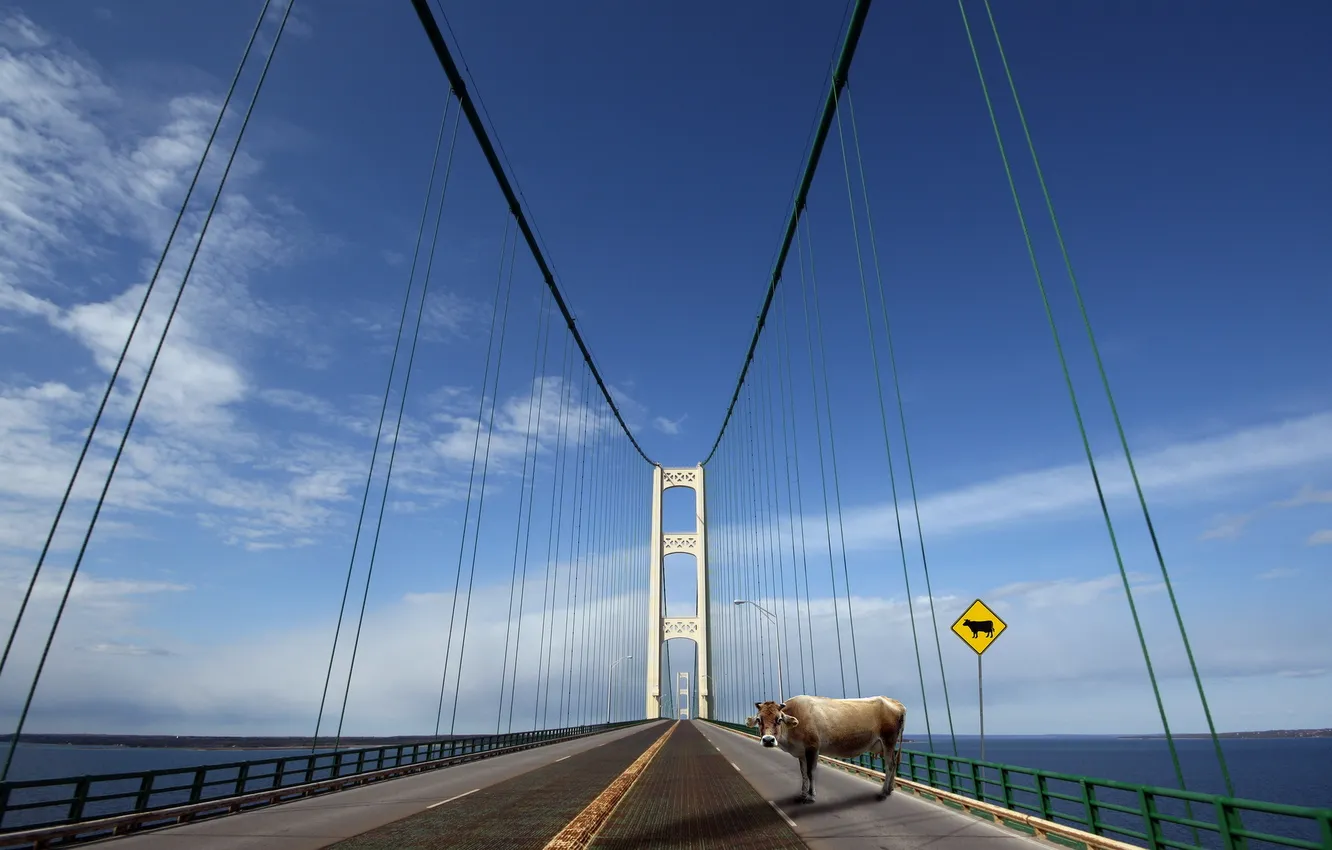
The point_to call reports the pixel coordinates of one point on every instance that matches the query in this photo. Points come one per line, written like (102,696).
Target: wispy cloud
(1191,470)
(1320,538)
(109,674)
(1069,642)
(261,466)
(1229,527)
(1278,573)
(669,426)
(1307,496)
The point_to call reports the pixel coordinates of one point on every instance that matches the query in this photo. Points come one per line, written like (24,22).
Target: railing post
(196,788)
(1227,819)
(976,782)
(1089,804)
(279,772)
(80,798)
(242,777)
(1043,796)
(1153,829)
(1005,787)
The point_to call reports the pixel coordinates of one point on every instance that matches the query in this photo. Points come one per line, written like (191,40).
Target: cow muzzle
(769,741)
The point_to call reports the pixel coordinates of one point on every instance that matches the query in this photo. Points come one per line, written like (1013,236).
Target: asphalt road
(317,822)
(847,815)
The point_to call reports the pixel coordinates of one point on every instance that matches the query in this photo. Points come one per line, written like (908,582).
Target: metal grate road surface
(690,797)
(522,813)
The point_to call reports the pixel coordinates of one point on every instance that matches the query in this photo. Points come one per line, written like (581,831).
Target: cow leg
(892,756)
(804,777)
(811,762)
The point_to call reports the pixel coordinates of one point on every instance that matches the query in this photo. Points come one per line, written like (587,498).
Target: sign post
(979,627)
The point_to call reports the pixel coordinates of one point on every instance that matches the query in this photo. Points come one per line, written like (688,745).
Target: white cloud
(515,420)
(1277,573)
(78,185)
(669,426)
(1307,496)
(73,179)
(1186,471)
(1320,538)
(108,674)
(1228,527)
(1069,661)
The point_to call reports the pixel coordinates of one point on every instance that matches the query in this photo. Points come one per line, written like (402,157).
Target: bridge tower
(660,627)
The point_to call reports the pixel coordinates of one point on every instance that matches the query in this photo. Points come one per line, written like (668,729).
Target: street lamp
(609,682)
(781,690)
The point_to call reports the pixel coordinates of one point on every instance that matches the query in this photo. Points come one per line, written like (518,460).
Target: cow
(979,627)
(808,726)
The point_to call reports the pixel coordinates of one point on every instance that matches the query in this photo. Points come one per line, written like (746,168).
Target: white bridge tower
(660,627)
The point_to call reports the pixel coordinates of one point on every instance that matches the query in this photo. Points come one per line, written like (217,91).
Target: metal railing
(1143,815)
(39,803)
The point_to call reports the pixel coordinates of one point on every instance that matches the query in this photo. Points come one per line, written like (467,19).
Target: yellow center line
(578,833)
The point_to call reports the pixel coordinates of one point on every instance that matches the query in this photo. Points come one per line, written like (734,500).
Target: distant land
(258,742)
(1270,733)
(215,742)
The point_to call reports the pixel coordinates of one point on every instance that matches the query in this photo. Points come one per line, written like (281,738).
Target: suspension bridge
(601,731)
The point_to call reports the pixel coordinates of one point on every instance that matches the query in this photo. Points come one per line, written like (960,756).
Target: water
(1285,770)
(51,761)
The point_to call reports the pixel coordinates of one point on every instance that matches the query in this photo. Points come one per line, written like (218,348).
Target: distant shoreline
(257,742)
(1271,733)
(216,742)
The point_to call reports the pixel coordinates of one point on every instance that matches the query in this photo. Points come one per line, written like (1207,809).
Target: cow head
(769,720)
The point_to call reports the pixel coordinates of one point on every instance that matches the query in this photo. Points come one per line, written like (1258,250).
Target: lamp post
(781,689)
(609,682)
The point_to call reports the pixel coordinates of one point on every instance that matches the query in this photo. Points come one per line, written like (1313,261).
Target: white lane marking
(561,758)
(778,809)
(451,799)
(736,766)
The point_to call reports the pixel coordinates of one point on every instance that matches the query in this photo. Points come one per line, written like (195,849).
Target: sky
(657,150)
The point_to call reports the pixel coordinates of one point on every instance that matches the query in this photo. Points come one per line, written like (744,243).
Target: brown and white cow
(809,726)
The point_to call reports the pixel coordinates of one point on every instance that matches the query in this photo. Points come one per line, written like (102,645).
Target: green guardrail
(1158,818)
(36,803)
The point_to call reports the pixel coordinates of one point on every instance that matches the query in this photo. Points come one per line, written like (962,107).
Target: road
(847,814)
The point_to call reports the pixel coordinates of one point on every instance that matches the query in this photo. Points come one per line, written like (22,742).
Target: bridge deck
(690,797)
(848,816)
(705,788)
(326,820)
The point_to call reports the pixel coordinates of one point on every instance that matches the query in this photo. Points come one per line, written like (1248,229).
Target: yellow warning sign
(979,627)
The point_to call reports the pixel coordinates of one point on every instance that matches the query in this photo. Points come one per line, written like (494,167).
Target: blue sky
(657,150)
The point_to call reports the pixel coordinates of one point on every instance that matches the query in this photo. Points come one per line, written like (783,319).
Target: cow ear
(751,721)
(759,706)
(790,721)
(781,707)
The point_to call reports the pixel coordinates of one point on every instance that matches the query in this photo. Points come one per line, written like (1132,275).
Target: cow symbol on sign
(979,627)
